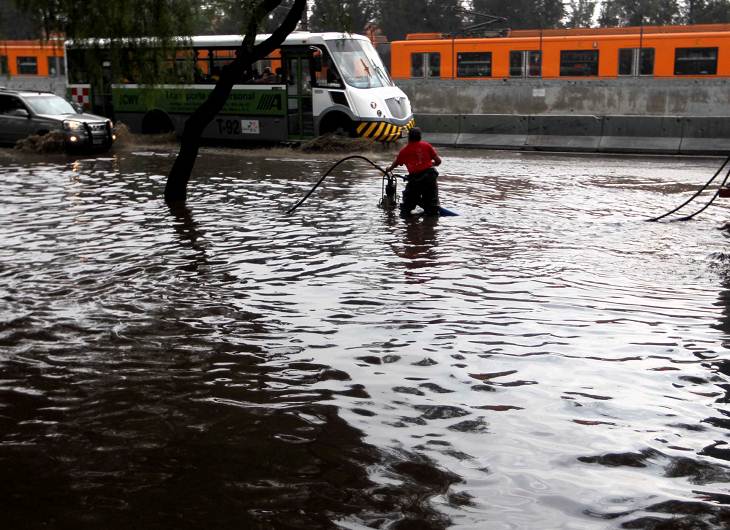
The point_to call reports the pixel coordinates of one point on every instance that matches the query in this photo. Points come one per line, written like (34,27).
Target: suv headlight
(72,125)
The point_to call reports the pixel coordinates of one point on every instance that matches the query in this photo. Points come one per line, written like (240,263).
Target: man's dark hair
(414,135)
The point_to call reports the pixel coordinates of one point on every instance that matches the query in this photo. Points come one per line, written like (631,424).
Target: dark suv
(25,113)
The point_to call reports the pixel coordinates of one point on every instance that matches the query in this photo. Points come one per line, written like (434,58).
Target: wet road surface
(545,360)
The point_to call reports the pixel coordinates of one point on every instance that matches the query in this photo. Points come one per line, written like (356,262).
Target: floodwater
(545,360)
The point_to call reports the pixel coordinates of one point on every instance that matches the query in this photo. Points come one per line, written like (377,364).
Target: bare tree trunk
(247,54)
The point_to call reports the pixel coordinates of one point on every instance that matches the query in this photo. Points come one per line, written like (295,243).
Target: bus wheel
(337,124)
(157,122)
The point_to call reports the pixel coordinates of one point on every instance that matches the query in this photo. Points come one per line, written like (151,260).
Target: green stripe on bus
(185,100)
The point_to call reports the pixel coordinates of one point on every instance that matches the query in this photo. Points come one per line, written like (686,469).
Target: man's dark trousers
(421,190)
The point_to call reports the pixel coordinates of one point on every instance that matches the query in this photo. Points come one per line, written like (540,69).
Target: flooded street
(544,360)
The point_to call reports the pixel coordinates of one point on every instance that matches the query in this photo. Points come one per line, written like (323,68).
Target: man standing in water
(421,188)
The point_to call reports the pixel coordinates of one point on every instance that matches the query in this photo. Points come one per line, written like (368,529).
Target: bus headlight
(72,125)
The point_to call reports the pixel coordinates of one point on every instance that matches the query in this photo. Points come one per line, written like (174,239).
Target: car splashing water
(545,360)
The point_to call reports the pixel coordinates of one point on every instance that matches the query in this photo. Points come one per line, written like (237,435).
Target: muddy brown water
(545,360)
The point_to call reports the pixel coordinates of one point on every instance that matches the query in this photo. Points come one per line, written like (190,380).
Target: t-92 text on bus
(316,83)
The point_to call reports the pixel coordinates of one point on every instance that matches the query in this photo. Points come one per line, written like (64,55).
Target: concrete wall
(626,96)
(614,134)
(57,85)
(670,116)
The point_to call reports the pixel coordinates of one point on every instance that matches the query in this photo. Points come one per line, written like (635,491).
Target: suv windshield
(359,63)
(49,105)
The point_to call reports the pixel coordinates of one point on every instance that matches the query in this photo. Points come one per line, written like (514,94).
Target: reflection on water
(545,360)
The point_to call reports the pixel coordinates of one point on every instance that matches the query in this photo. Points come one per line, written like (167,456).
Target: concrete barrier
(495,131)
(565,133)
(439,129)
(703,135)
(641,134)
(609,134)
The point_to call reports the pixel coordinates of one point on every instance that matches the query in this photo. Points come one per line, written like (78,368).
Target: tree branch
(259,13)
(287,26)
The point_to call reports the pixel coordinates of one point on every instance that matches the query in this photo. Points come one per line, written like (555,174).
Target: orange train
(32,58)
(698,51)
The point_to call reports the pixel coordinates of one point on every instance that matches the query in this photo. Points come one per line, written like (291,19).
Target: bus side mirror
(78,108)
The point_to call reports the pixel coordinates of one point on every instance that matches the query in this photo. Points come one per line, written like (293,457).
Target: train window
(695,61)
(524,64)
(474,64)
(516,64)
(27,65)
(425,65)
(578,62)
(646,61)
(56,66)
(4,65)
(417,65)
(434,64)
(626,61)
(534,64)
(636,61)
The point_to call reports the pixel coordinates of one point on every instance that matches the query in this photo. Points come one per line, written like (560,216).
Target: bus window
(629,62)
(218,59)
(358,63)
(695,61)
(325,71)
(297,75)
(474,64)
(27,65)
(182,66)
(4,65)
(578,63)
(519,59)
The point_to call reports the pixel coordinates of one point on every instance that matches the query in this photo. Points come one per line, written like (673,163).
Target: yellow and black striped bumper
(381,131)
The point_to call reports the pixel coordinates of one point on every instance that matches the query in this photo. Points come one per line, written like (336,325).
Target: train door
(298,72)
(525,63)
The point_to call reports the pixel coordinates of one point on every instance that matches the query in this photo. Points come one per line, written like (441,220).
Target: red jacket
(417,156)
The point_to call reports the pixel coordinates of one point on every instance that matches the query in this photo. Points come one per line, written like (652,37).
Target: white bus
(315,83)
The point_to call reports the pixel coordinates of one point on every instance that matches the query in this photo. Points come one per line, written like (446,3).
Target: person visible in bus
(267,76)
(420,158)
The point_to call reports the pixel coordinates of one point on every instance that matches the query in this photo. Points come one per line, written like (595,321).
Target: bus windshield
(359,63)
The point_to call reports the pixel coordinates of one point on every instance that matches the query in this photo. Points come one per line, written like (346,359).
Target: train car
(699,51)
(32,58)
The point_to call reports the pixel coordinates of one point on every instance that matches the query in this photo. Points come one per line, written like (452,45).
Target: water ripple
(545,360)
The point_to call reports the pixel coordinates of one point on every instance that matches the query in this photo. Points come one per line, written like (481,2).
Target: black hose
(693,197)
(297,205)
(717,192)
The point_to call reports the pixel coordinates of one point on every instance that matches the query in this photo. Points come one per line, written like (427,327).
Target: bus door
(103,96)
(298,78)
